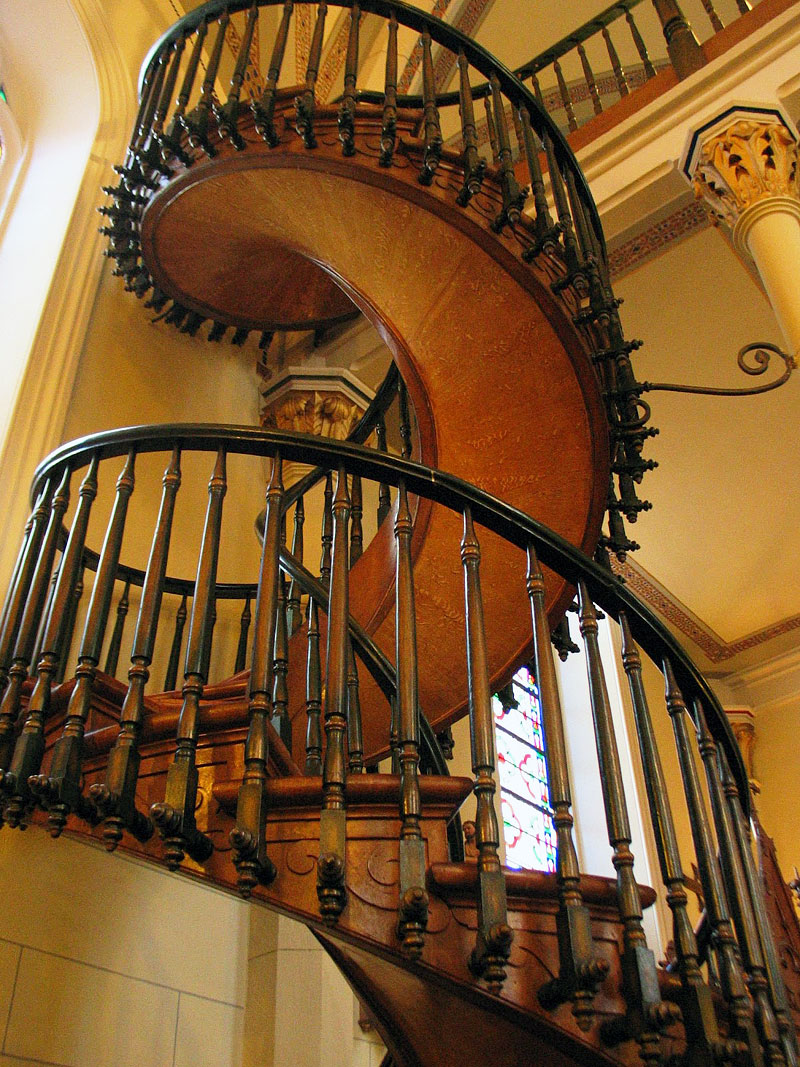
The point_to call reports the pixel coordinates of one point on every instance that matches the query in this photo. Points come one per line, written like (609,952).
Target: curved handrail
(511,524)
(441,32)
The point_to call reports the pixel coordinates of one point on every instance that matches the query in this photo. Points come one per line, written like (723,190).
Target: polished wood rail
(217,783)
(362,190)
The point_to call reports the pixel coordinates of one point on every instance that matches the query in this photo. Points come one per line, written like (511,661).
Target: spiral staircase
(307,774)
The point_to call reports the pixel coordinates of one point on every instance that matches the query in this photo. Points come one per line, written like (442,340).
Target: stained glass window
(524,790)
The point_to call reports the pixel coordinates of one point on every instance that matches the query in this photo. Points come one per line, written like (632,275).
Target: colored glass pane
(525,797)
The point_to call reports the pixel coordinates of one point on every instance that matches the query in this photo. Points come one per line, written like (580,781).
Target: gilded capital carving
(743,727)
(747,162)
(328,414)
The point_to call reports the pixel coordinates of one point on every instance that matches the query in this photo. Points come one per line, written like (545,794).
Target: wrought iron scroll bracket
(762,353)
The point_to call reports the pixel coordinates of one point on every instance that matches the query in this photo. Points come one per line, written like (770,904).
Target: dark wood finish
(60,790)
(413,912)
(32,616)
(580,970)
(174,816)
(29,749)
(695,1000)
(304,102)
(115,796)
(647,1014)
(253,866)
(729,966)
(488,959)
(738,897)
(331,865)
(313,761)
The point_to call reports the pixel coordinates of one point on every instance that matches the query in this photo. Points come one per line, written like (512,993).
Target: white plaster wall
(109,962)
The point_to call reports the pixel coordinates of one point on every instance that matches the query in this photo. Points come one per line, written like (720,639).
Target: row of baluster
(564,239)
(744,957)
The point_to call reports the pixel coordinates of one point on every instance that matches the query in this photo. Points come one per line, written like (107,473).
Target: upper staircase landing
(458,265)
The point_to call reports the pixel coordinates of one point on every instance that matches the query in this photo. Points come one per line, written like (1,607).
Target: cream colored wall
(109,962)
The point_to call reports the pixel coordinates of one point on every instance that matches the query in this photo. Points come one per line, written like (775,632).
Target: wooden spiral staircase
(268,778)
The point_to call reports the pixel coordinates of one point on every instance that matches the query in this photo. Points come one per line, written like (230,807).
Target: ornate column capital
(743,158)
(324,401)
(743,725)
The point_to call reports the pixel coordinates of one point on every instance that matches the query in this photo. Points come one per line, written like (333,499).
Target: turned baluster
(347,109)
(248,837)
(713,17)
(730,973)
(29,749)
(580,969)
(616,66)
(641,47)
(313,763)
(405,420)
(491,129)
(60,790)
(332,827)
(513,197)
(295,607)
(473,166)
(588,73)
(432,131)
(145,148)
(197,123)
(355,740)
(264,108)
(244,629)
(171,677)
(280,698)
(646,1013)
(169,88)
(695,1000)
(566,99)
(743,6)
(31,617)
(384,495)
(739,897)
(115,644)
(115,798)
(170,140)
(70,619)
(228,116)
(545,233)
(356,514)
(389,121)
(175,815)
(559,196)
(775,983)
(304,103)
(684,52)
(327,531)
(23,577)
(413,907)
(150,153)
(488,958)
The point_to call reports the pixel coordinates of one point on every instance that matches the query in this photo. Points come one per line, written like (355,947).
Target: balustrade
(48,778)
(506,192)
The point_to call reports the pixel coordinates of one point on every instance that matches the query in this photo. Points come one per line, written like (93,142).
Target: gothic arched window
(528,829)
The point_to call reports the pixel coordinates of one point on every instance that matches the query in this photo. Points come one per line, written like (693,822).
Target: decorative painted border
(670,608)
(466,22)
(675,227)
